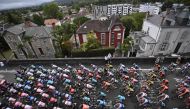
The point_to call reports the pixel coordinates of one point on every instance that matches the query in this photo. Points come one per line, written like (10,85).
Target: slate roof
(17,29)
(94,25)
(40,31)
(148,39)
(98,25)
(157,19)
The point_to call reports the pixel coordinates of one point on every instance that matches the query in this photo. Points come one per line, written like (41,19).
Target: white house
(109,10)
(151,8)
(164,34)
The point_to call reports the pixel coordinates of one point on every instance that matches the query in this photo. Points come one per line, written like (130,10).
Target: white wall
(153,29)
(149,8)
(175,38)
(159,34)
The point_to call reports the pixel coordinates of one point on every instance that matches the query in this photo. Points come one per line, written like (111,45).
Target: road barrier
(91,60)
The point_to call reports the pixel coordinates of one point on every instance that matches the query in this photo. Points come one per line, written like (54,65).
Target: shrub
(92,53)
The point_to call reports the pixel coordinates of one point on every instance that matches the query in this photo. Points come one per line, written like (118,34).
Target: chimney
(163,18)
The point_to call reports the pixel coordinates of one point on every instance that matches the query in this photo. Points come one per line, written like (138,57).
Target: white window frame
(168,35)
(184,35)
(112,38)
(119,35)
(164,46)
(117,28)
(103,38)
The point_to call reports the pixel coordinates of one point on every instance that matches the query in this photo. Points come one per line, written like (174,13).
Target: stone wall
(88,61)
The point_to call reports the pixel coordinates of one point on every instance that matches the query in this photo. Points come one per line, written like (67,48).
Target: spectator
(106,59)
(109,58)
(1,64)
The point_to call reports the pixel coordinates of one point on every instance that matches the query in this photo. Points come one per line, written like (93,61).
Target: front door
(177,47)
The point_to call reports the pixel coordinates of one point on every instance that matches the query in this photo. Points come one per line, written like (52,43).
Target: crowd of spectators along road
(89,87)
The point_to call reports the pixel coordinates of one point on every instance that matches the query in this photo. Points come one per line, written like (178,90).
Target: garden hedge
(93,53)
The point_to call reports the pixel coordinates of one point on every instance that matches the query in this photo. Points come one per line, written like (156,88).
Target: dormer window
(117,28)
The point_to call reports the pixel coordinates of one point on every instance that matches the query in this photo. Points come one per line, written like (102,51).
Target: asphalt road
(8,74)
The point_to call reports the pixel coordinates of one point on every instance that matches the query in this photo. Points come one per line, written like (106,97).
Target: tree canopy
(38,19)
(52,11)
(92,42)
(133,22)
(80,20)
(14,17)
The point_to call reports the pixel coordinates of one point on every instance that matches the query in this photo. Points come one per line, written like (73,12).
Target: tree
(67,47)
(129,23)
(76,6)
(69,11)
(167,4)
(14,17)
(52,11)
(62,34)
(80,20)
(127,44)
(38,19)
(58,42)
(139,18)
(133,22)
(92,42)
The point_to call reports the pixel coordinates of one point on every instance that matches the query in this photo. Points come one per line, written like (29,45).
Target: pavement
(8,74)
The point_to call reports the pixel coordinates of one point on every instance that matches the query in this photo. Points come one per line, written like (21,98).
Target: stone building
(27,40)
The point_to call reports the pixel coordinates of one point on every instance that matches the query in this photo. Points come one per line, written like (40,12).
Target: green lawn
(7,54)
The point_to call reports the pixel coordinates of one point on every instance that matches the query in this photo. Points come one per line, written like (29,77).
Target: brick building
(109,32)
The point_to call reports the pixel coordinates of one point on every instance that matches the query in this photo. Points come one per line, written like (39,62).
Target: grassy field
(7,54)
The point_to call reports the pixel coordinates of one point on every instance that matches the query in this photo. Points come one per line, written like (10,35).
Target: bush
(93,53)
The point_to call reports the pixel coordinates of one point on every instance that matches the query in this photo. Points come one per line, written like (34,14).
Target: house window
(118,35)
(151,47)
(20,51)
(112,38)
(142,44)
(164,46)
(168,34)
(14,44)
(117,28)
(103,38)
(84,38)
(41,51)
(9,38)
(184,35)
